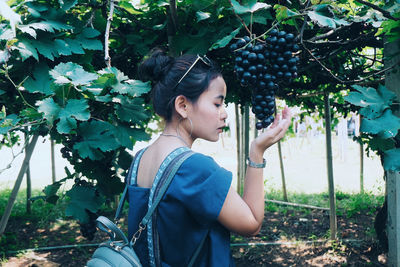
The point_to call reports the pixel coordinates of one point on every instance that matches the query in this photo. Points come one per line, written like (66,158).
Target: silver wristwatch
(256,165)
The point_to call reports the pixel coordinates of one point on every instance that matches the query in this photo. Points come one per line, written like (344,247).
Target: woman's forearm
(253,192)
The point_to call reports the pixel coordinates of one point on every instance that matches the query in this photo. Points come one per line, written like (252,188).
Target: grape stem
(239,18)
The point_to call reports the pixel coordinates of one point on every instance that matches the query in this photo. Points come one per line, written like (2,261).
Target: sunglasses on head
(203,59)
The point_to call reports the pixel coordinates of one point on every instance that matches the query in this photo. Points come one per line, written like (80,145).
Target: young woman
(189,93)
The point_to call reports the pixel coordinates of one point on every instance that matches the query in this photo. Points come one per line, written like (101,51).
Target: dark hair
(165,71)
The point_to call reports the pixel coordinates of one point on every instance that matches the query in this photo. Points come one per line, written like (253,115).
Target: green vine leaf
(67,4)
(225,40)
(74,110)
(123,85)
(65,73)
(372,101)
(392,160)
(127,135)
(325,17)
(282,12)
(385,126)
(97,135)
(40,80)
(252,6)
(8,123)
(26,49)
(49,108)
(131,110)
(83,198)
(200,15)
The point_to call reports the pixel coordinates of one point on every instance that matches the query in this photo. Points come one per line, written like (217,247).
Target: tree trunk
(53,162)
(392,82)
(282,172)
(246,139)
(238,147)
(331,187)
(28,185)
(242,163)
(361,168)
(22,171)
(28,190)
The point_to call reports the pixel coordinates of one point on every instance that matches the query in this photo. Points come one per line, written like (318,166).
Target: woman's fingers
(276,121)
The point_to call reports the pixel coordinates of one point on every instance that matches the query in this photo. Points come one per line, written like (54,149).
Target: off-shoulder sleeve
(201,185)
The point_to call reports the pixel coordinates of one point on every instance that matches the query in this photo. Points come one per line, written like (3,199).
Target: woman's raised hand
(274,133)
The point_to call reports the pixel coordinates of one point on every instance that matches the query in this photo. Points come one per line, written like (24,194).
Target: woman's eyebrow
(220,97)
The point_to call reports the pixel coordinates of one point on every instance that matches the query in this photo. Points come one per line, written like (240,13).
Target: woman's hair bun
(155,66)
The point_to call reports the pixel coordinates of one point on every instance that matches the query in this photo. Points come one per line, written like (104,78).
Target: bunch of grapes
(89,229)
(66,151)
(261,65)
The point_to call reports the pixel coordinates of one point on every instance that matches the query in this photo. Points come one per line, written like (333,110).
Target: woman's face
(208,114)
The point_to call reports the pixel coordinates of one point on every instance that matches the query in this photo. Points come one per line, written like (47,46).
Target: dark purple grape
(238,60)
(295,48)
(270,85)
(260,68)
(239,70)
(233,47)
(261,85)
(273,32)
(253,78)
(252,69)
(259,125)
(245,63)
(288,75)
(246,39)
(241,42)
(284,67)
(267,77)
(289,37)
(273,40)
(273,54)
(287,54)
(260,57)
(245,54)
(279,74)
(271,104)
(292,62)
(266,122)
(281,42)
(281,34)
(293,68)
(258,98)
(246,76)
(252,57)
(258,109)
(280,60)
(260,116)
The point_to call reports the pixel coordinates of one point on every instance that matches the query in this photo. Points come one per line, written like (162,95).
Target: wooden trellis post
(331,187)
(392,82)
(28,153)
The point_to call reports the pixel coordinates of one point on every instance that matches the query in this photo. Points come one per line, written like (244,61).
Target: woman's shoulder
(200,161)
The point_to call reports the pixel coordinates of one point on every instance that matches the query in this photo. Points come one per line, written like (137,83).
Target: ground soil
(277,242)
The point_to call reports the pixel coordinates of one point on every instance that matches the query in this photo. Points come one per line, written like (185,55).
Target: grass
(349,204)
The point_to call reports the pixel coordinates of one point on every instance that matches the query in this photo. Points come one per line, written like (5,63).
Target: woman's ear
(181,104)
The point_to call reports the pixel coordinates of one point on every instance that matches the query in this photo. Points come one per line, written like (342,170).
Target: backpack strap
(127,182)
